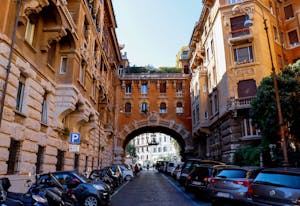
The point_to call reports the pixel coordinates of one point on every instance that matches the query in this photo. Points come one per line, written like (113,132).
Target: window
(144,107)
(205,115)
(197,113)
(210,106)
(163,87)
(179,87)
(93,87)
(194,117)
(163,107)
(29,34)
(212,46)
(288,12)
(275,34)
(144,88)
(159,149)
(20,94)
(154,149)
(13,158)
(179,108)
(237,26)
(39,159)
(86,163)
(51,53)
(82,72)
(165,149)
(234,1)
(248,128)
(165,139)
(60,160)
(243,55)
(127,107)
(247,88)
(216,102)
(63,65)
(279,59)
(128,88)
(271,7)
(207,54)
(293,37)
(214,76)
(44,113)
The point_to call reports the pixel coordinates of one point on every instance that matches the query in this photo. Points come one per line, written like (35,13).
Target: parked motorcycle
(34,197)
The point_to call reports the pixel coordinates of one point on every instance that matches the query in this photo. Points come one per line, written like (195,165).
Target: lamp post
(249,23)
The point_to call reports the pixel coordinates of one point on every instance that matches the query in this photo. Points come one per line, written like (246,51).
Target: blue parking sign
(74,137)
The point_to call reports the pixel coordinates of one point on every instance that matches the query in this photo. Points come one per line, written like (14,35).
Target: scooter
(34,197)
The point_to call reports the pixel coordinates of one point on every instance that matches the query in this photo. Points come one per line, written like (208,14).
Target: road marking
(119,188)
(181,191)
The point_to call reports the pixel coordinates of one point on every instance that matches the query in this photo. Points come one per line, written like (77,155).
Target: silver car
(276,186)
(231,184)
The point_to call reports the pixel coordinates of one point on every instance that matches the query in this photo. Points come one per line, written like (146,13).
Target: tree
(131,150)
(264,108)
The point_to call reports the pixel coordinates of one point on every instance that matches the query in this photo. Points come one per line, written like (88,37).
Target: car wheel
(127,177)
(90,201)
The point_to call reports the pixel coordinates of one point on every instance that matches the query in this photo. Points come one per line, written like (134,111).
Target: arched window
(179,108)
(127,107)
(163,107)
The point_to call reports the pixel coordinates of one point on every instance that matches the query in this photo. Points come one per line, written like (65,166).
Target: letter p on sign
(74,137)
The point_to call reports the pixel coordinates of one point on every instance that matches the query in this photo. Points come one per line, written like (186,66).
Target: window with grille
(128,88)
(293,37)
(179,108)
(243,55)
(13,158)
(127,107)
(76,161)
(20,94)
(163,87)
(248,128)
(163,107)
(237,26)
(44,114)
(39,159)
(288,12)
(60,160)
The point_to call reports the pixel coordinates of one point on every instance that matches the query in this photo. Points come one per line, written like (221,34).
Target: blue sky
(153,31)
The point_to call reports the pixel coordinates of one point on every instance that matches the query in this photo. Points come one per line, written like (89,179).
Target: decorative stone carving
(33,6)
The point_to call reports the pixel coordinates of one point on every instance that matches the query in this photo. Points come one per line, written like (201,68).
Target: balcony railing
(240,103)
(240,36)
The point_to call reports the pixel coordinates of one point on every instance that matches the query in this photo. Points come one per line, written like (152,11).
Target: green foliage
(131,150)
(169,70)
(247,155)
(264,107)
(136,69)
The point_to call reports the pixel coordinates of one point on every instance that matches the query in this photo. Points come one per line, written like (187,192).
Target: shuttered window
(247,88)
(237,26)
(127,107)
(163,87)
(293,37)
(178,87)
(288,12)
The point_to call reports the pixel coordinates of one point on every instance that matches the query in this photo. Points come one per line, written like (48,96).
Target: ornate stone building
(57,79)
(228,61)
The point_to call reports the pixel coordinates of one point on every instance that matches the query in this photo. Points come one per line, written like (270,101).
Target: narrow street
(153,188)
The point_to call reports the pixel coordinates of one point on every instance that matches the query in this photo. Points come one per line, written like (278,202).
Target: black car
(88,192)
(200,176)
(190,164)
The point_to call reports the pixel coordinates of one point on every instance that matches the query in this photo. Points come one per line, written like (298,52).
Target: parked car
(171,167)
(127,173)
(103,175)
(231,184)
(275,186)
(190,164)
(86,191)
(177,171)
(117,172)
(200,177)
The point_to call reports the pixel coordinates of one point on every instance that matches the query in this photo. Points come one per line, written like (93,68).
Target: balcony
(239,103)
(241,36)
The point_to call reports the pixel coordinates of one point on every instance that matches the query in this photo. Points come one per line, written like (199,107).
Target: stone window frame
(20,93)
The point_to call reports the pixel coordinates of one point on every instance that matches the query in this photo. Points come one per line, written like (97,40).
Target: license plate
(222,194)
(196,183)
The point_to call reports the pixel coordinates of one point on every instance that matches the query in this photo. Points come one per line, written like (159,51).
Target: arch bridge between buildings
(152,124)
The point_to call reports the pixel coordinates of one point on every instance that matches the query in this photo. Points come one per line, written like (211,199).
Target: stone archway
(152,124)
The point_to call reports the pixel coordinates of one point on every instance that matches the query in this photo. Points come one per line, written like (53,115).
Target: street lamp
(248,23)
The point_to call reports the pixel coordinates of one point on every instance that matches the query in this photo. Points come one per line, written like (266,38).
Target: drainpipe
(9,60)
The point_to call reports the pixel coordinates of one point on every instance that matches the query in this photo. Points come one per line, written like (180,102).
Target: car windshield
(233,173)
(81,177)
(284,180)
